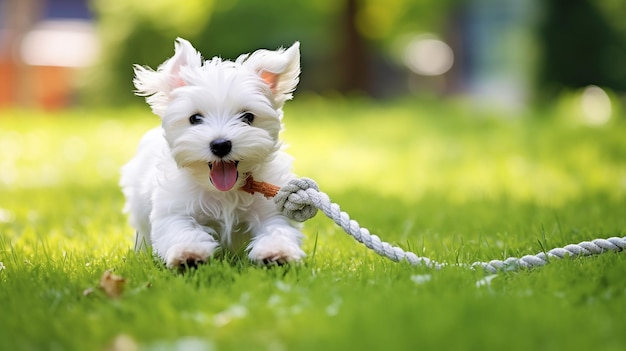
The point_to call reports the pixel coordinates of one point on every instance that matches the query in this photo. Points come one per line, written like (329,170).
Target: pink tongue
(224,175)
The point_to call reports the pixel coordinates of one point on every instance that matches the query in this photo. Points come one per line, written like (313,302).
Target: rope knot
(296,200)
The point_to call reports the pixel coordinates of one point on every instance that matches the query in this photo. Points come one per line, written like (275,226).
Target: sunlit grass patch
(78,148)
(410,150)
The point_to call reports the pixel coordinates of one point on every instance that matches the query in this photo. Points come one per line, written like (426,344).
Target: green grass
(449,183)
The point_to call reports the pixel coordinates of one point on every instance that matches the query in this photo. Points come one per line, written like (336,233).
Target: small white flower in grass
(188,343)
(421,278)
(282,286)
(2,267)
(6,216)
(333,308)
(486,281)
(197,317)
(193,344)
(123,342)
(274,300)
(233,312)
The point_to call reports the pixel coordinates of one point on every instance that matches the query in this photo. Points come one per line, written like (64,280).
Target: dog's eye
(196,119)
(247,117)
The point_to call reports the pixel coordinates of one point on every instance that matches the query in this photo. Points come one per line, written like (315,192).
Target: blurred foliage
(583,43)
(132,32)
(386,21)
(580,42)
(141,32)
(613,12)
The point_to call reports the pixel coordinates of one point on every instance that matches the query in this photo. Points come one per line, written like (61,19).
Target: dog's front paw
(186,255)
(275,249)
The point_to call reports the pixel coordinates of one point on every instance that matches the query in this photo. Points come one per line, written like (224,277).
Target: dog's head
(221,118)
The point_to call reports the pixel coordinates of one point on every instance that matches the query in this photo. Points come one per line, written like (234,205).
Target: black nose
(221,147)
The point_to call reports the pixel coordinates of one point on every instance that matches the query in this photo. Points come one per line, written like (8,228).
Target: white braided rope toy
(300,199)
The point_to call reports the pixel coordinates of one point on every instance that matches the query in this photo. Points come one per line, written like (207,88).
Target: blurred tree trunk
(353,53)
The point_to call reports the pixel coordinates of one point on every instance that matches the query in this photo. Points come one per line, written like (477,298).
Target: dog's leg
(276,241)
(181,242)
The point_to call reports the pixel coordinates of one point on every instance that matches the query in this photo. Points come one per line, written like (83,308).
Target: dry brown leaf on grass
(111,284)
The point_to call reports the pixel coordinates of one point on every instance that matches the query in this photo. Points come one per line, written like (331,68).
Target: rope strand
(300,200)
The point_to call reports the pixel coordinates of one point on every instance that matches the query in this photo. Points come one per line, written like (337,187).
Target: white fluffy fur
(170,199)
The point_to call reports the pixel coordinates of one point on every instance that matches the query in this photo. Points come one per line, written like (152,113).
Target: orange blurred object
(49,87)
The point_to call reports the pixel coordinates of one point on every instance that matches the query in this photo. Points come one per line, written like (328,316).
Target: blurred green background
(506,53)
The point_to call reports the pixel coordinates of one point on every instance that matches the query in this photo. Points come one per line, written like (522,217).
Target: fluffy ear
(279,69)
(157,85)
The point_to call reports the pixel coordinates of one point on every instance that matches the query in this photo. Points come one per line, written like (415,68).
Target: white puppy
(220,125)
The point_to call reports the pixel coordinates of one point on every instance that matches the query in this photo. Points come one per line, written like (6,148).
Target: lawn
(448,182)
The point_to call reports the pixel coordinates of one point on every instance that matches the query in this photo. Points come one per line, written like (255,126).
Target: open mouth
(224,174)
